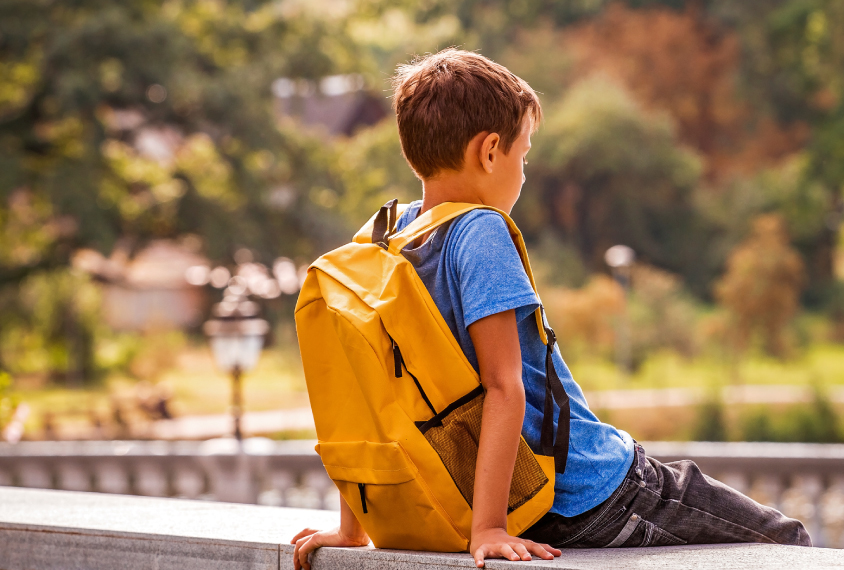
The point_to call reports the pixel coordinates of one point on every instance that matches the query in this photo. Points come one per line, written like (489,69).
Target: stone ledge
(52,530)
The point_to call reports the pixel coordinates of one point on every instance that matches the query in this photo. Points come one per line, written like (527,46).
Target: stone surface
(52,530)
(703,557)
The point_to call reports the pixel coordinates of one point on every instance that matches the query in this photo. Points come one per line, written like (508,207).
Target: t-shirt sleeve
(489,270)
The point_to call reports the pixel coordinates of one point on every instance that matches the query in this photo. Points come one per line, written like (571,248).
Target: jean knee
(797,534)
(805,539)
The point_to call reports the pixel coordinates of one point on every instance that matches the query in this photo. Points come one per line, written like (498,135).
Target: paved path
(203,427)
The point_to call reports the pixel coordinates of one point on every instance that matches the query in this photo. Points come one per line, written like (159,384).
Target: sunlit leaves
(210,174)
(27,229)
(18,80)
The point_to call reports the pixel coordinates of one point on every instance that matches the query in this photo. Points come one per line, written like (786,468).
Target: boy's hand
(496,543)
(310,539)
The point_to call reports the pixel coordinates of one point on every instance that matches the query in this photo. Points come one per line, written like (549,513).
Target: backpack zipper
(398,360)
(362,489)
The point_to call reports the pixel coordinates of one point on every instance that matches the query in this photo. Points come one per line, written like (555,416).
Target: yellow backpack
(397,405)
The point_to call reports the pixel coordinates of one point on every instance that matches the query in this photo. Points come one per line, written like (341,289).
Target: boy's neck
(451,187)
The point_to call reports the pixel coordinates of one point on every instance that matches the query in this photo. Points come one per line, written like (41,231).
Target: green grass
(819,364)
(278,382)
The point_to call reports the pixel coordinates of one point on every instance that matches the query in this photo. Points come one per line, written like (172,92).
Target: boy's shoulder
(476,223)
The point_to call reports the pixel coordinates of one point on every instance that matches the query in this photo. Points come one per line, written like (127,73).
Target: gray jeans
(665,505)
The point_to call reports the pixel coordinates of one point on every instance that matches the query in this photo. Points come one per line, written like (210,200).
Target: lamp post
(237,336)
(620,258)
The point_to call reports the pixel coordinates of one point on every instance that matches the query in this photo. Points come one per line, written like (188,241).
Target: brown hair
(443,100)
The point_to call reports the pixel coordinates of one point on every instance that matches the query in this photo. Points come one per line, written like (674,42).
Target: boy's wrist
(356,537)
(485,527)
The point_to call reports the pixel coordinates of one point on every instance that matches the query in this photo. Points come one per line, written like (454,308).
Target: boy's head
(445,100)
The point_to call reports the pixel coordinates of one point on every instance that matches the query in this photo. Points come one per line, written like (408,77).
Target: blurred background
(162,157)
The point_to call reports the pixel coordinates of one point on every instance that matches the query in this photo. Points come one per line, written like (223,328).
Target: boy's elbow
(509,390)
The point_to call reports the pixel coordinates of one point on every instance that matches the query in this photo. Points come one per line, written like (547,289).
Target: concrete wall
(63,530)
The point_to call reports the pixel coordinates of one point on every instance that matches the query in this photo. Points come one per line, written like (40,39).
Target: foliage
(817,422)
(50,326)
(156,354)
(671,125)
(607,172)
(373,171)
(143,120)
(585,318)
(710,423)
(154,119)
(761,288)
(792,65)
(685,64)
(814,422)
(8,403)
(662,314)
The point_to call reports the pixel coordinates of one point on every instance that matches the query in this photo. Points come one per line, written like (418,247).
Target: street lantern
(620,258)
(237,337)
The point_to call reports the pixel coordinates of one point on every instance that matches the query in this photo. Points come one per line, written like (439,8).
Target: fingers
(500,550)
(544,551)
(303,533)
(296,564)
(304,546)
(516,550)
(520,550)
(482,552)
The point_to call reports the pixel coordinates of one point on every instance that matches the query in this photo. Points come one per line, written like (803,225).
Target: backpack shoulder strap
(446,211)
(554,391)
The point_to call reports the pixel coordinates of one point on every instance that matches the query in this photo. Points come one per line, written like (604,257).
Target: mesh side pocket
(454,435)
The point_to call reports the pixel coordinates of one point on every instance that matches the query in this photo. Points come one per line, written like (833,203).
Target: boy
(465,124)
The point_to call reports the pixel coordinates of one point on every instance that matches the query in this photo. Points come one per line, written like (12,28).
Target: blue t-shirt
(472,269)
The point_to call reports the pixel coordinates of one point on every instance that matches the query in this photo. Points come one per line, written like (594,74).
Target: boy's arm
(496,342)
(349,533)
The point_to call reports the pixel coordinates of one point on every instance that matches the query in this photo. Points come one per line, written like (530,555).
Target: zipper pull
(361,488)
(397,359)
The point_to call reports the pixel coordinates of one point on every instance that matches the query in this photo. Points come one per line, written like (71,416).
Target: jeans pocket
(639,532)
(656,536)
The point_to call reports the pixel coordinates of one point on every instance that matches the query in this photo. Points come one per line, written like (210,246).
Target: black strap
(554,391)
(385,223)
(437,420)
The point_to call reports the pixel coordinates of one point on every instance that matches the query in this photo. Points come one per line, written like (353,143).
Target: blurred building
(148,291)
(338,103)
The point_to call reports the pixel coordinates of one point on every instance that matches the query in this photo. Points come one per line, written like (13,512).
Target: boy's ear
(489,149)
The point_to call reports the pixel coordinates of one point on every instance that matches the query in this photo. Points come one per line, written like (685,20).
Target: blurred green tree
(603,171)
(686,63)
(793,66)
(154,119)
